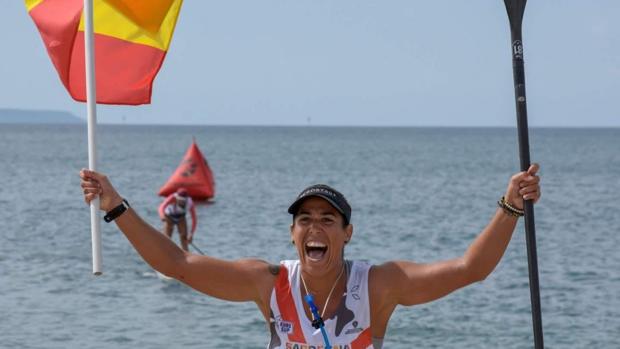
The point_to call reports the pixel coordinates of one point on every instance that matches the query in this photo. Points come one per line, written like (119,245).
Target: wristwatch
(116,211)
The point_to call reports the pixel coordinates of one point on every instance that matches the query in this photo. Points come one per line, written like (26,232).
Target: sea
(419,194)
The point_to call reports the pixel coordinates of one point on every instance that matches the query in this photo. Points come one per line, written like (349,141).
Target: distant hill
(25,116)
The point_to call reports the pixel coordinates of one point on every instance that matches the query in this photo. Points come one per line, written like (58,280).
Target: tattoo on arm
(274,269)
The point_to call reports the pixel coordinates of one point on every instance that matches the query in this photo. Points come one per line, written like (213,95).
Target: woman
(172,212)
(320,299)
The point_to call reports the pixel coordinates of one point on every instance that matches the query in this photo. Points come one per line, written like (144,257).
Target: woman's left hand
(523,186)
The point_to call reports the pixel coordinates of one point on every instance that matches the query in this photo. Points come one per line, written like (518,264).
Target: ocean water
(417,193)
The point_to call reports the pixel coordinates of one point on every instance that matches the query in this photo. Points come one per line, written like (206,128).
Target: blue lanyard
(318,321)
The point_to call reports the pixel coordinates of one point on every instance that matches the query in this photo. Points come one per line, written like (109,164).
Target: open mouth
(315,250)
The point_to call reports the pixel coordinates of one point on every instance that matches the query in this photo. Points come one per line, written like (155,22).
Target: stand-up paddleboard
(164,277)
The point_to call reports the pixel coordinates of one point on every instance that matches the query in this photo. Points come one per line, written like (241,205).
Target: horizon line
(83,122)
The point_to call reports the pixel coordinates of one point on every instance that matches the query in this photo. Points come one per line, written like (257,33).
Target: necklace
(318,319)
(330,291)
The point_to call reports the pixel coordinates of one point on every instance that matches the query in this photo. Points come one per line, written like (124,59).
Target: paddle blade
(515,9)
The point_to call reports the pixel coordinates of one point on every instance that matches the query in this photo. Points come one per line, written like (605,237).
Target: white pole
(91,109)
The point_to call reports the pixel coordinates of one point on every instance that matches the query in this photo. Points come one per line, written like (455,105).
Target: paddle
(197,249)
(515,9)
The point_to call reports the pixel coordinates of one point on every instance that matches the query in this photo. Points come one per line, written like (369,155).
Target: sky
(353,63)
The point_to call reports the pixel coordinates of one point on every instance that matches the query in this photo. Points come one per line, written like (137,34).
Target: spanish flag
(131,41)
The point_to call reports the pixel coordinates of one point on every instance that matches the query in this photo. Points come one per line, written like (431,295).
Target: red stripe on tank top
(286,304)
(363,341)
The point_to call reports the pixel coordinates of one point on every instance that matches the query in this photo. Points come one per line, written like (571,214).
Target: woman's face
(319,236)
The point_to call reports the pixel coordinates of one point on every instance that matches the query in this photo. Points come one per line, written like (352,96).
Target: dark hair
(182,192)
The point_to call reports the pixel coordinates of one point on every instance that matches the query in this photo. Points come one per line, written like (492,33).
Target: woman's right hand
(95,184)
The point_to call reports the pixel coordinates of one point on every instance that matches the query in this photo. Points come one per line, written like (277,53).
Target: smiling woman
(349,302)
(320,230)
(319,204)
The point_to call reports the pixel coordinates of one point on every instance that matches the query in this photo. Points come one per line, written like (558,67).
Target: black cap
(333,196)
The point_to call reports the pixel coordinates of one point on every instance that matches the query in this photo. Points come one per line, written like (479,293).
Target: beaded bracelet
(509,209)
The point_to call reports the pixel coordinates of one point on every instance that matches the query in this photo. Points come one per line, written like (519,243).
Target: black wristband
(116,211)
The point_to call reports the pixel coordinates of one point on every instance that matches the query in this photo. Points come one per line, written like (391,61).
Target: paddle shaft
(197,249)
(515,14)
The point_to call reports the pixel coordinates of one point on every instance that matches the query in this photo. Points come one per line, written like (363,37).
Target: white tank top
(349,328)
(175,210)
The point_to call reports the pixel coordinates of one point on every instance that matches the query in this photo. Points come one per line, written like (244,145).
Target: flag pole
(91,111)
(515,9)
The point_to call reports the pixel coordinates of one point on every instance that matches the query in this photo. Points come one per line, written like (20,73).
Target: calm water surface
(417,193)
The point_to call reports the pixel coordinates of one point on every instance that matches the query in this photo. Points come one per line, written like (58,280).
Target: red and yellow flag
(131,41)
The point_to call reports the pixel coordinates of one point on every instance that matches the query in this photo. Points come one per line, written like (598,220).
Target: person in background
(172,212)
